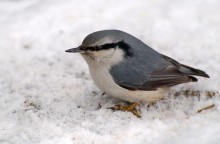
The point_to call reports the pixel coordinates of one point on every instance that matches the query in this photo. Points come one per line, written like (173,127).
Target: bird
(124,67)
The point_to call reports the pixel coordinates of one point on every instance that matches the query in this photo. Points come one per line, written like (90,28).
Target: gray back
(136,69)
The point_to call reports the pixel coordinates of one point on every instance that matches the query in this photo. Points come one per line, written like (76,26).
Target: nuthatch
(124,67)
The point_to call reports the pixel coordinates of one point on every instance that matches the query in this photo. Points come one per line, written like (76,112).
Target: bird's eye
(97,48)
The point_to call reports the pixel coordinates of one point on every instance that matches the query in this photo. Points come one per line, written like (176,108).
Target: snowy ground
(47,96)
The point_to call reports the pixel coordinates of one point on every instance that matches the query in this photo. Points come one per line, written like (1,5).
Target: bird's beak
(75,50)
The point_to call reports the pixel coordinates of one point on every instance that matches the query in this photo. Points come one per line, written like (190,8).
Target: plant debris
(209,94)
(206,108)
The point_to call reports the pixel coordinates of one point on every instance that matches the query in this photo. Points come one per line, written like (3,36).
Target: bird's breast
(102,78)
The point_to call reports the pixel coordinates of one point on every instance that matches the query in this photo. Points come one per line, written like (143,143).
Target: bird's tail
(192,71)
(187,69)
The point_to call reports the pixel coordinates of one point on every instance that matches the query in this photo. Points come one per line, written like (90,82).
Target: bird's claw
(129,108)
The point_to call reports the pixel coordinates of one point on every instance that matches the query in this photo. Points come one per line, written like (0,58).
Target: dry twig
(206,108)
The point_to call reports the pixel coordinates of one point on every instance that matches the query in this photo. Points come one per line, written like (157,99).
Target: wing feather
(164,78)
(148,70)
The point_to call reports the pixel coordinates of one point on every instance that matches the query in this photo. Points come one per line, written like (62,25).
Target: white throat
(99,66)
(104,58)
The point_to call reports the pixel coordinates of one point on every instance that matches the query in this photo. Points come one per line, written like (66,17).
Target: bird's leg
(130,108)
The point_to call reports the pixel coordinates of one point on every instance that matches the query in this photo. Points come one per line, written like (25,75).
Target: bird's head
(105,46)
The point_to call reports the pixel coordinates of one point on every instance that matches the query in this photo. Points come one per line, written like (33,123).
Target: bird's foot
(129,108)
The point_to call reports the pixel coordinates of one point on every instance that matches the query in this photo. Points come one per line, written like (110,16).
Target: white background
(47,96)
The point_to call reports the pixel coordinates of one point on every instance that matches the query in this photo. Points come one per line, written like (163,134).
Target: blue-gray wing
(148,70)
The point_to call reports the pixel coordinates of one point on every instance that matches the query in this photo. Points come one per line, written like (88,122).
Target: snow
(48,97)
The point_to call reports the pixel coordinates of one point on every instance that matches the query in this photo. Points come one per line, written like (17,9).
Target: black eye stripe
(107,46)
(101,47)
(121,44)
